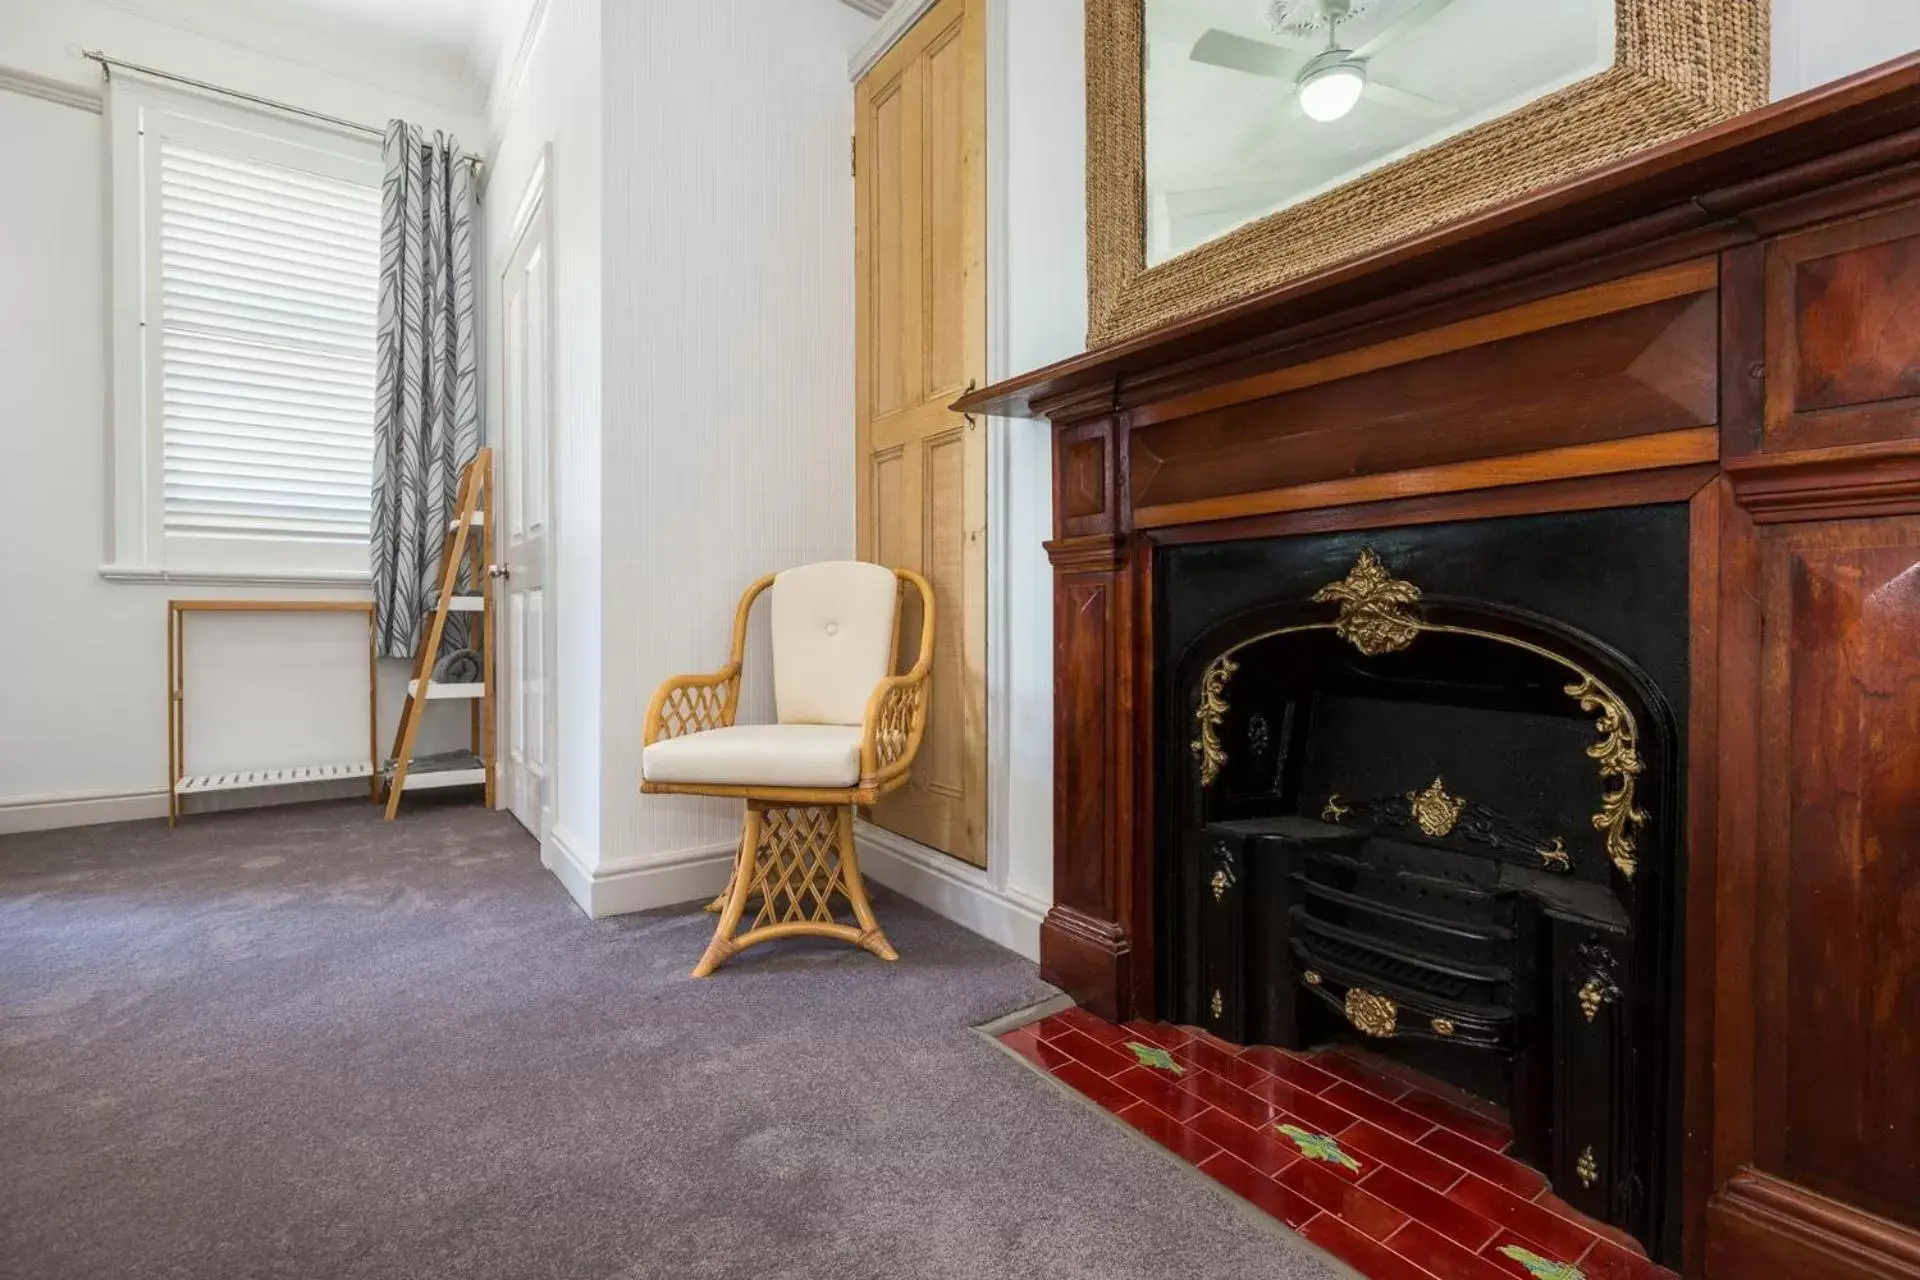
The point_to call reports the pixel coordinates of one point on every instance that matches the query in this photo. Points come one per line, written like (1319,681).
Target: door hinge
(853,156)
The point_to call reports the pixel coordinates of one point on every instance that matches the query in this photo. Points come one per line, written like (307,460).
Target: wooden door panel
(947,313)
(894,222)
(920,120)
(1838,954)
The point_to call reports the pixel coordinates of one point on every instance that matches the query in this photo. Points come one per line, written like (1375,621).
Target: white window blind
(267,284)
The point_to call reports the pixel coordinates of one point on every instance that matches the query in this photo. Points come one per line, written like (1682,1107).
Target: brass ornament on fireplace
(1373,616)
(1216,1004)
(1619,757)
(1443,1026)
(1588,1168)
(1434,809)
(1220,883)
(1311,978)
(1333,810)
(1601,986)
(1372,1014)
(1556,855)
(1207,717)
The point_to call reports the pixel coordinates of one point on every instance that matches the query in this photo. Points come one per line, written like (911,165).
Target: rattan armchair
(847,734)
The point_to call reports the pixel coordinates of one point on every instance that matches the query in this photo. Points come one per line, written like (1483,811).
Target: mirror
(1254,106)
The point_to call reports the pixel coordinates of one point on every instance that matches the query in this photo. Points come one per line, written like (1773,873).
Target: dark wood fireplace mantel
(1731,321)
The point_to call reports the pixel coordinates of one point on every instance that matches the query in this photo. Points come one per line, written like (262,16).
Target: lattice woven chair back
(846,733)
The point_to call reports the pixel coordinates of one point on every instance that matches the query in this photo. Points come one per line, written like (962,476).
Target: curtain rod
(354,126)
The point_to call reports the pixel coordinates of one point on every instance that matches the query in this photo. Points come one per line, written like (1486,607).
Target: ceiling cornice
(505,89)
(872,8)
(60,91)
(899,20)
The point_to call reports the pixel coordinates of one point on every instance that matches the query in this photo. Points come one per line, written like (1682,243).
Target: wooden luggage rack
(469,541)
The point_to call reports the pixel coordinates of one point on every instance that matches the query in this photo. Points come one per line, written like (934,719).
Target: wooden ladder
(473,511)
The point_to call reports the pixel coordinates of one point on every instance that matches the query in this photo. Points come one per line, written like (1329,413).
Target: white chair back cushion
(832,636)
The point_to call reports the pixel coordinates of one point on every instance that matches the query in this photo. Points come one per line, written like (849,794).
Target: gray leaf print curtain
(426,422)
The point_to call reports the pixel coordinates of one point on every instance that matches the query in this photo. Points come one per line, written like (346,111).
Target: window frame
(140,114)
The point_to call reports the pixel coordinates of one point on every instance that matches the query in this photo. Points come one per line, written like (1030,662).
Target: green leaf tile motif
(1318,1146)
(1542,1268)
(1154,1056)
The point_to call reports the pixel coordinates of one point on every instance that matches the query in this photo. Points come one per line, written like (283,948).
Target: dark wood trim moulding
(1825,1238)
(1579,493)
(1605,458)
(1847,482)
(1787,165)
(1089,553)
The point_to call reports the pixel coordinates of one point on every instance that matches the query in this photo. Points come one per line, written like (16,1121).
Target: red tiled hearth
(1396,1180)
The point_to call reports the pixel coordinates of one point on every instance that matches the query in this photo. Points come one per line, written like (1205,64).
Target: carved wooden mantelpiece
(1732,320)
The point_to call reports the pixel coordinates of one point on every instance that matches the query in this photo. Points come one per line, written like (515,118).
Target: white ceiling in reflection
(1225,146)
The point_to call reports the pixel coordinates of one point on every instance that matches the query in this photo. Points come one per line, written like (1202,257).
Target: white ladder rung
(437,690)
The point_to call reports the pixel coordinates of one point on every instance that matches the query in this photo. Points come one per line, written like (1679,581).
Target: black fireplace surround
(1422,794)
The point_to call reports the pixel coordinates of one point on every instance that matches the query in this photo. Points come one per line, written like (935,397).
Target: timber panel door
(920,237)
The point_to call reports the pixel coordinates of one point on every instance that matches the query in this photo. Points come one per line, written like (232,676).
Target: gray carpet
(303,1042)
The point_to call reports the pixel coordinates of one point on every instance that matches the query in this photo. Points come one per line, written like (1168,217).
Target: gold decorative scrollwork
(1443,1026)
(1333,810)
(1619,757)
(1556,855)
(1373,616)
(1593,994)
(1311,978)
(1434,809)
(1220,883)
(1207,717)
(1372,1014)
(1588,1168)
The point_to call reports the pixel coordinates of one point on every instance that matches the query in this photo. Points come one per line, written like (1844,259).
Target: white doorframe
(535,207)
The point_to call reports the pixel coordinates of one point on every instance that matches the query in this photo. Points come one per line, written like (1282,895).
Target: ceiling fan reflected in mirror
(1328,84)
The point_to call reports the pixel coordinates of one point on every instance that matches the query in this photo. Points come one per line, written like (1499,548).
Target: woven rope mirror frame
(1679,66)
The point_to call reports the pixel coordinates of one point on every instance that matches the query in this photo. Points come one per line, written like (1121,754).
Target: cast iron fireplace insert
(1422,795)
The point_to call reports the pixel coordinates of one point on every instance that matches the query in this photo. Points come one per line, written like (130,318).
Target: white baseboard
(638,884)
(80,809)
(90,808)
(963,894)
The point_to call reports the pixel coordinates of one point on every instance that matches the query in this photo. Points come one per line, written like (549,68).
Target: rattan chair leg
(793,861)
(856,890)
(722,946)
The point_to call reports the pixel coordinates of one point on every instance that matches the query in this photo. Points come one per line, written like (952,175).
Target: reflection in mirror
(1256,105)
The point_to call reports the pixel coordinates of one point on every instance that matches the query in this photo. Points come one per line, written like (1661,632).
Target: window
(246,279)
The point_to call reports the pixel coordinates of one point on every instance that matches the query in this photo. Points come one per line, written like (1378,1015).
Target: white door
(526,311)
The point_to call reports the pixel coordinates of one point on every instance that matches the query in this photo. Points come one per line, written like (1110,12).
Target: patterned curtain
(427,408)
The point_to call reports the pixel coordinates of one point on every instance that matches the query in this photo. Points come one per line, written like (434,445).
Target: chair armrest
(891,729)
(692,704)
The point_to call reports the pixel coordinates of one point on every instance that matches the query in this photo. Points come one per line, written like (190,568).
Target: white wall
(83,661)
(1815,41)
(549,92)
(728,447)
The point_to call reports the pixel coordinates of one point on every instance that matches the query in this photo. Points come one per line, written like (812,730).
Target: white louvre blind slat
(268,292)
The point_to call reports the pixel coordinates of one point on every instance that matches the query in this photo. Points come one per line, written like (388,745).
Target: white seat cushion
(832,634)
(765,755)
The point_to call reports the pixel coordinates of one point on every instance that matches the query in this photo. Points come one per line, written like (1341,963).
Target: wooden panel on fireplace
(1603,364)
(1843,333)
(1838,947)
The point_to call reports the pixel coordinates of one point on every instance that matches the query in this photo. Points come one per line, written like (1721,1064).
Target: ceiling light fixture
(1329,87)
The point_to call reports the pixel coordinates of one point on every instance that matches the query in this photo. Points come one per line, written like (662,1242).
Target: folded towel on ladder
(459,666)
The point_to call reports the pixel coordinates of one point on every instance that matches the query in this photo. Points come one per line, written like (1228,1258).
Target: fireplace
(1421,794)
(1723,326)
